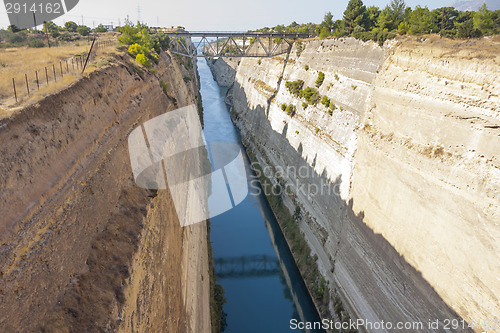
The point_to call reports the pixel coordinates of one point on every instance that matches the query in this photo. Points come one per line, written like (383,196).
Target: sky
(221,15)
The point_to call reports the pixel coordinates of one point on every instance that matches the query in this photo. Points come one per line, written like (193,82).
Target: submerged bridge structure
(246,266)
(232,44)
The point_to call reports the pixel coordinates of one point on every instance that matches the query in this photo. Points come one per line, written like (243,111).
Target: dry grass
(16,62)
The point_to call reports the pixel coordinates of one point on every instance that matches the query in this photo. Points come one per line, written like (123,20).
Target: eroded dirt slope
(82,248)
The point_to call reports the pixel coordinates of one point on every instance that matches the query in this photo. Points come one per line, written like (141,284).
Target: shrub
(17,37)
(321,78)
(35,42)
(66,37)
(101,28)
(311,95)
(316,130)
(294,87)
(382,36)
(135,49)
(300,48)
(283,106)
(325,101)
(259,62)
(336,77)
(305,105)
(141,58)
(83,30)
(353,87)
(160,42)
(377,36)
(332,106)
(290,110)
(306,67)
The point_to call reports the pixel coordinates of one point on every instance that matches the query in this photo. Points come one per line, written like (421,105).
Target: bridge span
(233,44)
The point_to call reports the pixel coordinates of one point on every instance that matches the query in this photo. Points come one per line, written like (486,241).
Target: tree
(327,22)
(420,21)
(83,30)
(324,33)
(130,34)
(397,11)
(355,14)
(483,19)
(13,28)
(443,17)
(373,13)
(70,26)
(50,27)
(385,19)
(101,28)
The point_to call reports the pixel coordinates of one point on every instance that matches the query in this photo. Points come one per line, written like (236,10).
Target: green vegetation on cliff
(143,46)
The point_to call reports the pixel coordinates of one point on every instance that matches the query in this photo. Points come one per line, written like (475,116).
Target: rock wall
(82,248)
(223,70)
(400,183)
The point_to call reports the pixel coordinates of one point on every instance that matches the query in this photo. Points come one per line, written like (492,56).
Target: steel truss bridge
(246,266)
(233,44)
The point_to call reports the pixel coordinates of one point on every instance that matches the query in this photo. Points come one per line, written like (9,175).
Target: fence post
(72,63)
(46,75)
(54,68)
(88,56)
(37,82)
(27,86)
(14,84)
(67,66)
(60,65)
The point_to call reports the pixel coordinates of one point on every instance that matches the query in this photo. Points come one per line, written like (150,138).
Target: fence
(52,73)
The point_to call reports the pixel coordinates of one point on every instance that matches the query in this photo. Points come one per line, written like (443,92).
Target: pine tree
(355,14)
(483,20)
(327,22)
(385,19)
(397,11)
(373,13)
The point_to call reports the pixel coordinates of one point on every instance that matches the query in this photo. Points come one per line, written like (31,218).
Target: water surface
(263,286)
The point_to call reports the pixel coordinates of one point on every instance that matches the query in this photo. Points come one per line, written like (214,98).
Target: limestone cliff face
(223,71)
(82,248)
(407,226)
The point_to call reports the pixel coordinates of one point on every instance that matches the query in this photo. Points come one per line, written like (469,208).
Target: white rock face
(410,229)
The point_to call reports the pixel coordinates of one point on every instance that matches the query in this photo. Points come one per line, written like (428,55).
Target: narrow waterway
(263,286)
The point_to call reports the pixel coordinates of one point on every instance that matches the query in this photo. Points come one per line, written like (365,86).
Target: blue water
(256,302)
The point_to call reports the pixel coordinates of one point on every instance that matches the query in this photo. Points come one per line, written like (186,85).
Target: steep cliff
(398,179)
(82,247)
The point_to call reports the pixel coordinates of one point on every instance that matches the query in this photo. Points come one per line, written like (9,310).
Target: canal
(263,287)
